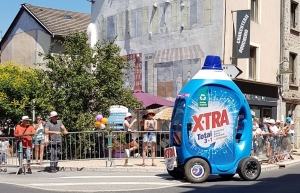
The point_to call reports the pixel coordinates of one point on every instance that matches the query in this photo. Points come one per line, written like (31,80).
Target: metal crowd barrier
(279,148)
(90,145)
(95,144)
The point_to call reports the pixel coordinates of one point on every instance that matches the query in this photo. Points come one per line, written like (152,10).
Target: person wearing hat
(149,137)
(290,127)
(39,139)
(131,145)
(54,127)
(25,132)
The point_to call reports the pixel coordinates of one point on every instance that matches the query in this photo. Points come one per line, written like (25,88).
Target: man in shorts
(54,128)
(24,132)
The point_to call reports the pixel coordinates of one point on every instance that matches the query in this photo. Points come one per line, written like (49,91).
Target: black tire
(176,173)
(226,176)
(196,170)
(249,169)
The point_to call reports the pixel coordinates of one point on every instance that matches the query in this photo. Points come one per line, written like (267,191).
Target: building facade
(259,80)
(35,29)
(290,44)
(165,41)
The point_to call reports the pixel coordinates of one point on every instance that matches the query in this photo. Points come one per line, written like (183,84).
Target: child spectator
(3,159)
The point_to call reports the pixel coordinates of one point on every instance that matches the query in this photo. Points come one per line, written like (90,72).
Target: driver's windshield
(178,115)
(177,121)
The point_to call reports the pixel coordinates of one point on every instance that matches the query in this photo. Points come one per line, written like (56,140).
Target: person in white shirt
(4,144)
(131,144)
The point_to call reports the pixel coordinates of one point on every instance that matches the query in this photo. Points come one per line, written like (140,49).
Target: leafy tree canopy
(19,85)
(78,95)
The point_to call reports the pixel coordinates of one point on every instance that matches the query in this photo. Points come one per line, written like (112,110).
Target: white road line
(101,183)
(94,177)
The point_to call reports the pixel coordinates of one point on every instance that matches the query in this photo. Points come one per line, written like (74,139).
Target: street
(275,181)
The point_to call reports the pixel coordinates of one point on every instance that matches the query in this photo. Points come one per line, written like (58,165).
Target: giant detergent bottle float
(211,129)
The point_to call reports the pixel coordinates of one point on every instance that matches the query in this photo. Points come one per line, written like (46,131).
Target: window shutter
(200,13)
(145,21)
(174,15)
(139,22)
(193,13)
(104,29)
(155,22)
(120,27)
(133,20)
(127,29)
(207,12)
(185,15)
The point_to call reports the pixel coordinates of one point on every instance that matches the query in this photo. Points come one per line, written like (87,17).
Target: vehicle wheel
(249,169)
(226,176)
(196,170)
(176,173)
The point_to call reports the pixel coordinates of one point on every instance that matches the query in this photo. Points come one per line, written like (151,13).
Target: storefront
(261,97)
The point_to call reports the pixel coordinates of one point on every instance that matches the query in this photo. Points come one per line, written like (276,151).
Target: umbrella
(150,101)
(165,114)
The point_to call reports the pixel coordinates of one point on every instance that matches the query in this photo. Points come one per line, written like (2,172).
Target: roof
(56,22)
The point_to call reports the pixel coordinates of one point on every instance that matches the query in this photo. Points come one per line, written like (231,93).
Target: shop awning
(175,54)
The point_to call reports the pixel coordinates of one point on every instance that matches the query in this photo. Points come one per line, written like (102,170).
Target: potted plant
(117,144)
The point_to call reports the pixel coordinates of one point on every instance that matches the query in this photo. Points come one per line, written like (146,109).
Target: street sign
(231,70)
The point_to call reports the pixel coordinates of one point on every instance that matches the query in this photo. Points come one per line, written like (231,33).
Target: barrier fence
(96,144)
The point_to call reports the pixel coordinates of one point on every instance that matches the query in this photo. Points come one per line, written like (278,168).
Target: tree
(19,85)
(77,94)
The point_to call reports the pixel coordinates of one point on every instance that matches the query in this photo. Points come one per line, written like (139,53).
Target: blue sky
(10,8)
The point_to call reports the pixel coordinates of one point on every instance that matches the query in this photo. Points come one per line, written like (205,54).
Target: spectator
(131,145)
(54,128)
(149,137)
(3,158)
(25,132)
(38,139)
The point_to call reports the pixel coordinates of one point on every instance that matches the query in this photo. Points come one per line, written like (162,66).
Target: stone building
(290,52)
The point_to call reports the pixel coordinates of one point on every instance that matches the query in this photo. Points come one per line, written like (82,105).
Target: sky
(10,8)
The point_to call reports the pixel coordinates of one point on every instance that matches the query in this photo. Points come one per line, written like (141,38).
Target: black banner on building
(243,34)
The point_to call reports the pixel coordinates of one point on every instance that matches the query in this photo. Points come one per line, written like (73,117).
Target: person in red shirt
(25,131)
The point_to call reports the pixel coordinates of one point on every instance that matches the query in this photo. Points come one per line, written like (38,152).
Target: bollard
(20,152)
(109,136)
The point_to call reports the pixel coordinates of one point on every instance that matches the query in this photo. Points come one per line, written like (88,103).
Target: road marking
(101,183)
(91,177)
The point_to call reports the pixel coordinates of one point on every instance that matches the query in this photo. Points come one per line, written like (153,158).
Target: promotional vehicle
(211,129)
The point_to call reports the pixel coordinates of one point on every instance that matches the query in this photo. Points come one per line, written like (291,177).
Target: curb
(104,169)
(152,169)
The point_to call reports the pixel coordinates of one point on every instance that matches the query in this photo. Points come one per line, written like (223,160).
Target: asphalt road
(275,181)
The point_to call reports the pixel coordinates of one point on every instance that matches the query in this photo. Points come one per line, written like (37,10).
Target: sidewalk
(100,165)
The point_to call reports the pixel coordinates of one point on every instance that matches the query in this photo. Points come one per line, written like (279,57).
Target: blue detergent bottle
(211,128)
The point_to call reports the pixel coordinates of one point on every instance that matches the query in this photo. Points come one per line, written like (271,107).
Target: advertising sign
(243,34)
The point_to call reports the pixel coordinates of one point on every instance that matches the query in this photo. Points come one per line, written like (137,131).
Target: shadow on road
(215,184)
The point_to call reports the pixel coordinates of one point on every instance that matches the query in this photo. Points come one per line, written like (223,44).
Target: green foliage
(19,85)
(78,95)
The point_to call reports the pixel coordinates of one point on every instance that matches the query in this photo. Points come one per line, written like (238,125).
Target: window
(185,15)
(68,17)
(254,10)
(145,21)
(174,15)
(111,27)
(120,26)
(207,12)
(193,13)
(292,63)
(155,22)
(252,63)
(136,23)
(293,14)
